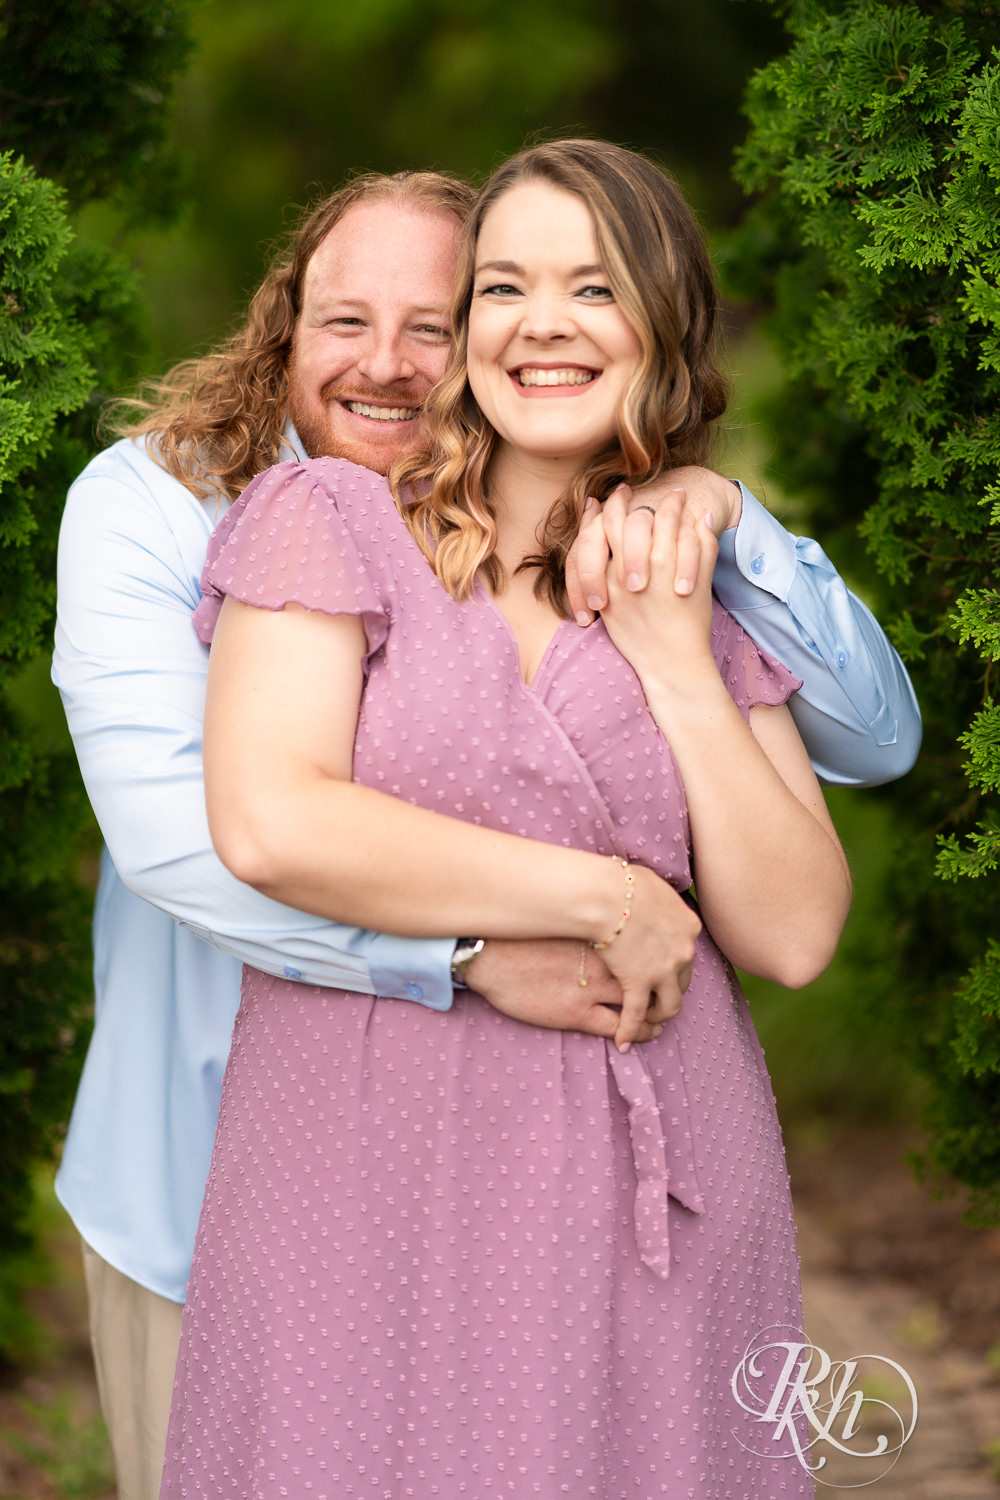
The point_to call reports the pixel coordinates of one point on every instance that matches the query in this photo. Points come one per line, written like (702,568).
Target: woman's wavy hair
(661,274)
(215,422)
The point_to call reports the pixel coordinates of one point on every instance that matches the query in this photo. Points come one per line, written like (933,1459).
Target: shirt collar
(291,440)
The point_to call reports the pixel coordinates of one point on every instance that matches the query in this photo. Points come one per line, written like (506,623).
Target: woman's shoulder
(344,484)
(314,533)
(300,495)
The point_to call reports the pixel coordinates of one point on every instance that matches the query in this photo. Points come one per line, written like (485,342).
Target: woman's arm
(772,881)
(286,818)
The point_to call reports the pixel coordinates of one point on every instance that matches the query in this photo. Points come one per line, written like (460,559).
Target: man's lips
(378,413)
(373,405)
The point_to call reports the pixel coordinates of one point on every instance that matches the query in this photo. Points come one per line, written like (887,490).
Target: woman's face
(550,351)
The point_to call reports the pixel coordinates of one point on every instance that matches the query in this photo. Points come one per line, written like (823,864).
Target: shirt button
(841,658)
(414,992)
(292,973)
(757,563)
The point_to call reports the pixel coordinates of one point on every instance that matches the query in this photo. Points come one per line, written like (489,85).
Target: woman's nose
(545,317)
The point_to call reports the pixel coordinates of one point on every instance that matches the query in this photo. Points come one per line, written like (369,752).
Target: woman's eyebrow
(512,267)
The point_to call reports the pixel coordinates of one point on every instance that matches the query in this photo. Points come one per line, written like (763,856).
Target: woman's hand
(652,954)
(698,493)
(655,628)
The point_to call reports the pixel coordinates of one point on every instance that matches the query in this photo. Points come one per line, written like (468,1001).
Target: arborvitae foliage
(875,148)
(83,94)
(81,89)
(44,375)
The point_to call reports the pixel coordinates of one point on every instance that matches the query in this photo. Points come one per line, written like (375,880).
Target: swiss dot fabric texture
(449,1254)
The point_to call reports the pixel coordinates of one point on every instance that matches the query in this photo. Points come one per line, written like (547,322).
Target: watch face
(466,950)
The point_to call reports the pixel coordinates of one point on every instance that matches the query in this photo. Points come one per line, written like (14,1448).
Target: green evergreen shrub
(44,375)
(83,97)
(82,94)
(874,149)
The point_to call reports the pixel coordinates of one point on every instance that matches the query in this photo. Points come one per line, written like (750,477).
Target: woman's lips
(552,380)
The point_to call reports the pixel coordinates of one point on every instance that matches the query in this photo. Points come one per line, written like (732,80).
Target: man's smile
(382,413)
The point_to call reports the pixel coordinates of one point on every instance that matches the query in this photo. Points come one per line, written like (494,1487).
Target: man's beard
(318,441)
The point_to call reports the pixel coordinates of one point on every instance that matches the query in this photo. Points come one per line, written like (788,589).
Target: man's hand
(538,982)
(694,492)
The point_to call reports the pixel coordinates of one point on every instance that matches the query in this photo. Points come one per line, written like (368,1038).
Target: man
(340,348)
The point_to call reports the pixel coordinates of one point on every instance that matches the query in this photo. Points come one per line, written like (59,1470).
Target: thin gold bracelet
(629,893)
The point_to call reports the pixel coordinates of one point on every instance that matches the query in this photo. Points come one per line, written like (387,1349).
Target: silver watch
(466,949)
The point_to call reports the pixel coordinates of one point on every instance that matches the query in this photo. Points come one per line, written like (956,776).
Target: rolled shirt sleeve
(856,712)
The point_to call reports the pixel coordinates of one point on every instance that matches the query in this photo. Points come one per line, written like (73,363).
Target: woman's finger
(614,515)
(635,1004)
(587,566)
(689,551)
(603,1020)
(637,540)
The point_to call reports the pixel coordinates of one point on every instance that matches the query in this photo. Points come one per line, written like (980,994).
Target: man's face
(372,337)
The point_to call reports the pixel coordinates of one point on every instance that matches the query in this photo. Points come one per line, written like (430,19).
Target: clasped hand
(691,494)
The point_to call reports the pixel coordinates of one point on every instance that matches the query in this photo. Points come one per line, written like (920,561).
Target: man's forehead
(386,242)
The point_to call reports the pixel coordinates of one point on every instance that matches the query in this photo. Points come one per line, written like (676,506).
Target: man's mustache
(386,395)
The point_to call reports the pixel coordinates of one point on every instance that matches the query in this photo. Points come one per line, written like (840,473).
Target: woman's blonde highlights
(661,274)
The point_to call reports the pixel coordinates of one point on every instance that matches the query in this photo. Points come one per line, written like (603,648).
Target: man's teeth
(382,413)
(555,377)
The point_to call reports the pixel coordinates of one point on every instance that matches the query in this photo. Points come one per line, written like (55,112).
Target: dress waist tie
(651,1157)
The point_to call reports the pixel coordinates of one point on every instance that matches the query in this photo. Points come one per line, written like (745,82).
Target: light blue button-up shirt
(172,926)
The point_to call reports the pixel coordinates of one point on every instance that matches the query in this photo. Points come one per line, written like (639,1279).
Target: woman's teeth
(555,377)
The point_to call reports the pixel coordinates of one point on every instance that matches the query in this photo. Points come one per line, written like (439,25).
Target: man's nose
(385,359)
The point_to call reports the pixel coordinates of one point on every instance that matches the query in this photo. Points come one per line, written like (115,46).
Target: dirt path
(958,1392)
(889,1271)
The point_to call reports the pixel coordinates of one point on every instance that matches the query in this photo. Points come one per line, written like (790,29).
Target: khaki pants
(134,1335)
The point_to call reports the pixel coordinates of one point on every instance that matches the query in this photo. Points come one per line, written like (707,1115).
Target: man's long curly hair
(660,271)
(215,422)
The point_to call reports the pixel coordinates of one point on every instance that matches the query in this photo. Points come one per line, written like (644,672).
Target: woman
(460,1254)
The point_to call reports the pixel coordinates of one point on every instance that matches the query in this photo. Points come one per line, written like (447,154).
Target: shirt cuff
(413,969)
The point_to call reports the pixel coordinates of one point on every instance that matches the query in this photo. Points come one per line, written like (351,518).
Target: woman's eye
(499,289)
(596,293)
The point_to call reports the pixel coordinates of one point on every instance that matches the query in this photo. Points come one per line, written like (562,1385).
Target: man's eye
(435,331)
(344,322)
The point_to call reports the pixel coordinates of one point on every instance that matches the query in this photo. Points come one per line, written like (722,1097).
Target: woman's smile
(546,380)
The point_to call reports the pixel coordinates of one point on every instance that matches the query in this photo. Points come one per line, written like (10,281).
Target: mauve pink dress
(450,1254)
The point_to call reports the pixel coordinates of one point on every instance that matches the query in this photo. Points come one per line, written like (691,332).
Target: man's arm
(857,712)
(131,672)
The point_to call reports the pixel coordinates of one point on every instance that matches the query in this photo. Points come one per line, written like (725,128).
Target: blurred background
(280,103)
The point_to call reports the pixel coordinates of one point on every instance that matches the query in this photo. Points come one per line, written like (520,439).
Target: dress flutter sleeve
(750,674)
(282,542)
